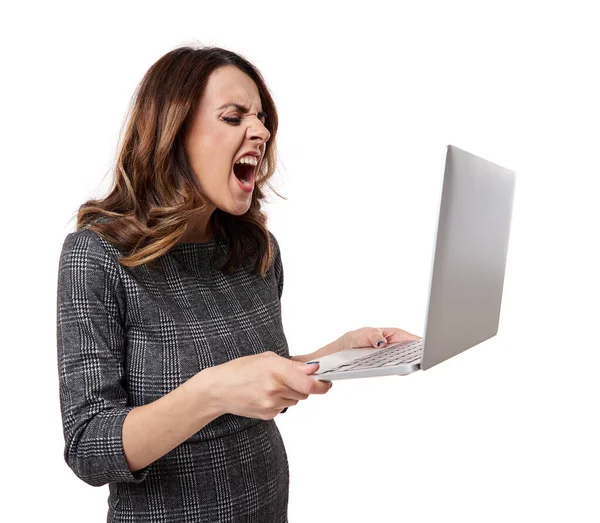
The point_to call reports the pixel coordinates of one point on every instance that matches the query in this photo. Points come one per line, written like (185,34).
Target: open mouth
(244,172)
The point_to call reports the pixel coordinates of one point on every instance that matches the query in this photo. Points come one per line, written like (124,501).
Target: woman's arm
(104,435)
(334,346)
(151,431)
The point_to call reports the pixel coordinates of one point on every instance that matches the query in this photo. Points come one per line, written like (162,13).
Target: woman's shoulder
(86,244)
(274,241)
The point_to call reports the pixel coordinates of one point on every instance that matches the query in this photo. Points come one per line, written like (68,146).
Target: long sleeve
(91,355)
(278,271)
(277,265)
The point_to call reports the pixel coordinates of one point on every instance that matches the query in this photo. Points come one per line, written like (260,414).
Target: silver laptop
(467,276)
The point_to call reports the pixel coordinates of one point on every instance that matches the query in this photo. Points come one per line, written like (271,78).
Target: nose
(258,131)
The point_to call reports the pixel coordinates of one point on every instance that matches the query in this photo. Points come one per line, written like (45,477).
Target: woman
(171,352)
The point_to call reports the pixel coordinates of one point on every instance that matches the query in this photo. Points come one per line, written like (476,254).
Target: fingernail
(380,343)
(311,362)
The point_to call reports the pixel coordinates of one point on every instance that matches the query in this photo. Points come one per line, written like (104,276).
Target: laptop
(467,275)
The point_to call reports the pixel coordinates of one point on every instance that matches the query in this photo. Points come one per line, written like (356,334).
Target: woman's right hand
(262,385)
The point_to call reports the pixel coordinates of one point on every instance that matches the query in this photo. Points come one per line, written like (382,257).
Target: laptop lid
(469,257)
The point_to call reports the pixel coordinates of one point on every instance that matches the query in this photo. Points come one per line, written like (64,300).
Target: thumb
(307,368)
(378,339)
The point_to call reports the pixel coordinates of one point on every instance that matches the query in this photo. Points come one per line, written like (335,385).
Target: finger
(320,386)
(380,338)
(292,395)
(298,381)
(294,379)
(309,367)
(320,390)
(397,335)
(284,391)
(287,402)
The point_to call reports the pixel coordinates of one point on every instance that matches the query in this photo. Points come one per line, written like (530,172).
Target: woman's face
(214,144)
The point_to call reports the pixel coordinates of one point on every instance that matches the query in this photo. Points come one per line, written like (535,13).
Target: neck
(199,230)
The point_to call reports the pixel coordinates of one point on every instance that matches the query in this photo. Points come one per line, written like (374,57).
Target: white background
(369,95)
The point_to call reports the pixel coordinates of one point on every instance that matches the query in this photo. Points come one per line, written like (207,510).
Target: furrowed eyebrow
(242,108)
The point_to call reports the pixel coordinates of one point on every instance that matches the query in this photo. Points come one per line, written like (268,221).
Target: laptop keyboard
(403,352)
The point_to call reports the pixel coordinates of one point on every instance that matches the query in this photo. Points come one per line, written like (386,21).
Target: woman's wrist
(335,346)
(203,388)
(152,430)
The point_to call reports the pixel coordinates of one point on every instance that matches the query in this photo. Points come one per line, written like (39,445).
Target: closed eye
(236,121)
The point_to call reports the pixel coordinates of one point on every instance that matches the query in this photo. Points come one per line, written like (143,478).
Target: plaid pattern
(126,337)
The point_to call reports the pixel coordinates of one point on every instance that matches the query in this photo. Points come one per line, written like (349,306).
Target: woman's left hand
(369,337)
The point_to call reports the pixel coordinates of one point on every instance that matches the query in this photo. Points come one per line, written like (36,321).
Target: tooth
(249,161)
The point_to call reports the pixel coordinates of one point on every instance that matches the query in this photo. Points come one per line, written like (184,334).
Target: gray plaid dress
(128,336)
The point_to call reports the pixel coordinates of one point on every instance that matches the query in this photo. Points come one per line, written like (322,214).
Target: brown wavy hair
(155,191)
